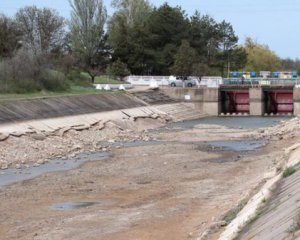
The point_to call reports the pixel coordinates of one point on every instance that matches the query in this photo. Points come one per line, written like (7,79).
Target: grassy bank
(74,90)
(78,86)
(104,79)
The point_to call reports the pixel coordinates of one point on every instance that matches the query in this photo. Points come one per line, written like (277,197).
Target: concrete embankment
(29,136)
(24,110)
(273,213)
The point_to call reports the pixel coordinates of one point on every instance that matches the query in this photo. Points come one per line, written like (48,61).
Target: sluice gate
(235,101)
(278,102)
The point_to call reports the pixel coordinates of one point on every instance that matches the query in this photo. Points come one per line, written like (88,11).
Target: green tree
(88,39)
(204,37)
(128,34)
(260,57)
(227,44)
(118,69)
(134,12)
(167,27)
(42,29)
(185,59)
(200,69)
(10,37)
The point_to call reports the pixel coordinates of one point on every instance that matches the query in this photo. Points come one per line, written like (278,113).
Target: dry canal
(171,182)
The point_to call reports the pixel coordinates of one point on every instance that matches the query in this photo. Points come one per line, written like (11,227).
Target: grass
(288,172)
(74,90)
(258,212)
(104,79)
(231,215)
(296,225)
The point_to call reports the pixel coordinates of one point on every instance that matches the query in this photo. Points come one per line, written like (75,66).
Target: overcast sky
(272,22)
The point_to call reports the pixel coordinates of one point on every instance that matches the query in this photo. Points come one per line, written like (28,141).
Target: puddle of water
(11,176)
(68,206)
(238,146)
(138,143)
(231,122)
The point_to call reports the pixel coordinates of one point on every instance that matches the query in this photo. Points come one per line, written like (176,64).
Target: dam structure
(264,97)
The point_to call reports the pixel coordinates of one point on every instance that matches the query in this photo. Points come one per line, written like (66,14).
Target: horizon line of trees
(39,49)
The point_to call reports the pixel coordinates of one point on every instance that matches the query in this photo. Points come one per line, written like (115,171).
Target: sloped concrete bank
(24,110)
(39,140)
(271,212)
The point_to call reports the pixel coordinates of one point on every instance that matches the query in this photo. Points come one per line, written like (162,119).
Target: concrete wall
(297,101)
(211,101)
(207,99)
(195,94)
(256,101)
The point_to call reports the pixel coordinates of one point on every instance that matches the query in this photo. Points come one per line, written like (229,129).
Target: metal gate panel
(280,101)
(238,101)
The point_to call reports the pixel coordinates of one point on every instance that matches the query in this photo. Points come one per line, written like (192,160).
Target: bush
(53,81)
(296,225)
(26,73)
(118,69)
(288,172)
(79,79)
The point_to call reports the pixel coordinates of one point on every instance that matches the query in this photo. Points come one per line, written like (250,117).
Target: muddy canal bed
(172,188)
(11,176)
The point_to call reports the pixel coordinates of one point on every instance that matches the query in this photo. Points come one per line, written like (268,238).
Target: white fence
(206,81)
(146,80)
(211,82)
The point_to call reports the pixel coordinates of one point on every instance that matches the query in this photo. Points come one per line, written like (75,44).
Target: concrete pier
(211,101)
(296,101)
(256,101)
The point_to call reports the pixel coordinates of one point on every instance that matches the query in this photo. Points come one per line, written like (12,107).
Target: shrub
(118,69)
(296,224)
(288,172)
(79,79)
(53,81)
(26,72)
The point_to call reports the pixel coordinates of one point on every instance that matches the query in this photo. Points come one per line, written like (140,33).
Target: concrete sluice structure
(257,101)
(242,100)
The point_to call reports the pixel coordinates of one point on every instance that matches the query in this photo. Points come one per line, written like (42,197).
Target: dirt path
(163,191)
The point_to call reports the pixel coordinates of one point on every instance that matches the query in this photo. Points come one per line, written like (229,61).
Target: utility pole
(228,65)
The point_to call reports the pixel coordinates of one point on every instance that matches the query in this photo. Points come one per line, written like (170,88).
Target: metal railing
(262,81)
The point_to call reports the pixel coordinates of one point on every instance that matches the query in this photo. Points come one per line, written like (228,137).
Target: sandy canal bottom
(173,188)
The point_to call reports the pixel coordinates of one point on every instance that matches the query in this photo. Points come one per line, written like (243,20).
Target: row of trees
(138,39)
(165,40)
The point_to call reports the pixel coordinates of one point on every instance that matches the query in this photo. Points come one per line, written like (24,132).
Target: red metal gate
(280,101)
(238,101)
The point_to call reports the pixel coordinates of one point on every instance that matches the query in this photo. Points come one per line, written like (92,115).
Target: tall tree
(133,11)
(228,49)
(185,58)
(204,36)
(128,34)
(42,29)
(168,26)
(9,37)
(187,62)
(260,57)
(88,39)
